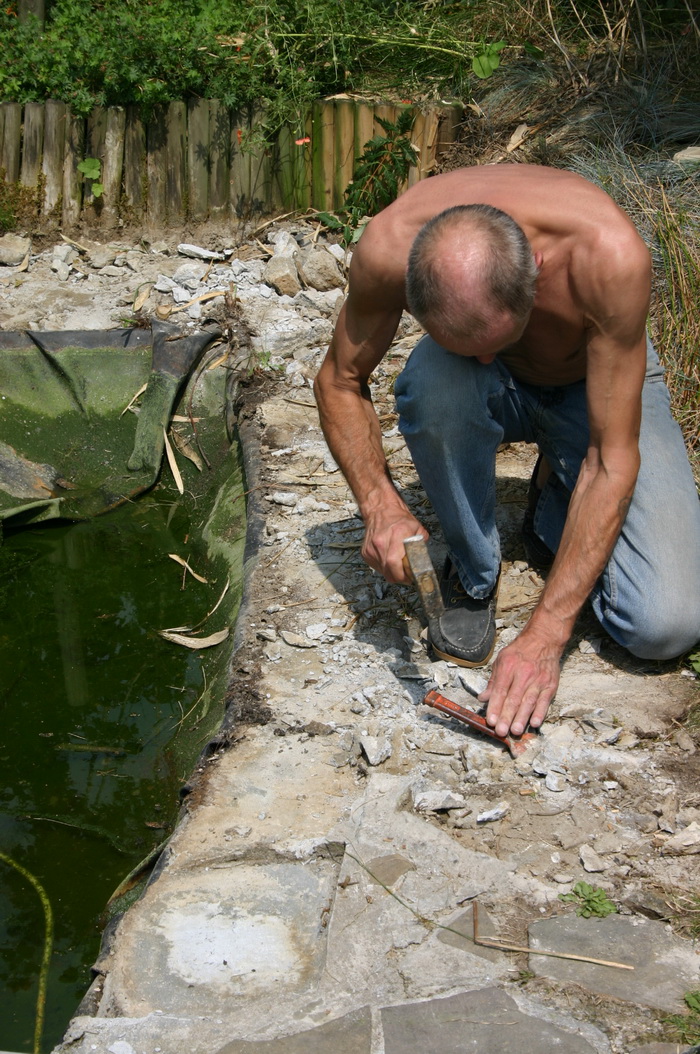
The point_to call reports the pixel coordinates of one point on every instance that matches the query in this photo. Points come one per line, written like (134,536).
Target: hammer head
(421,569)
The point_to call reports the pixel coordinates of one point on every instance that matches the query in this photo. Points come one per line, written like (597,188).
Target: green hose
(48,946)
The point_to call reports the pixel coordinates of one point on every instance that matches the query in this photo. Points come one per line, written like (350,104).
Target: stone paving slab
(351,1034)
(486,1022)
(665,967)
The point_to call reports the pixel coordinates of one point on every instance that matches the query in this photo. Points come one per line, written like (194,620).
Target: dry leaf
(173,464)
(164,311)
(142,297)
(186,450)
(133,399)
(194,642)
(183,563)
(517,137)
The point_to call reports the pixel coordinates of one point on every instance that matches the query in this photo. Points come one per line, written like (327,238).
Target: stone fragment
(285,244)
(190,274)
(350,1034)
(62,269)
(13,249)
(64,252)
(112,271)
(435,799)
(283,497)
(664,965)
(342,255)
(554,782)
(281,273)
(376,749)
(134,260)
(197,253)
(684,741)
(487,1021)
(497,813)
(160,248)
(316,631)
(319,270)
(121,1047)
(100,256)
(295,640)
(684,843)
(590,860)
(386,870)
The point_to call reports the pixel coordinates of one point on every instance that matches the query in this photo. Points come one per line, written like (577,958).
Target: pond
(103,717)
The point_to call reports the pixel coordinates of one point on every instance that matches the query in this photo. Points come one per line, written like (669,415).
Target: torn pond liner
(115,629)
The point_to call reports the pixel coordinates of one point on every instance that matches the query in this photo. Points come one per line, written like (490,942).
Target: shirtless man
(535,310)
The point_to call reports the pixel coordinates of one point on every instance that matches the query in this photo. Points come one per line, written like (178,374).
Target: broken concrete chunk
(497,813)
(319,270)
(197,253)
(590,860)
(283,497)
(376,749)
(101,256)
(316,631)
(295,640)
(685,842)
(435,799)
(285,244)
(13,249)
(281,273)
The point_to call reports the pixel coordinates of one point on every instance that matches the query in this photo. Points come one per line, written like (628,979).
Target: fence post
(54,151)
(344,131)
(72,179)
(219,152)
(134,162)
(32,143)
(175,161)
(322,155)
(12,131)
(198,159)
(25,8)
(113,164)
(155,167)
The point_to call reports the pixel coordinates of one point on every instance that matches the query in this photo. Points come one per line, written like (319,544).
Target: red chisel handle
(468,717)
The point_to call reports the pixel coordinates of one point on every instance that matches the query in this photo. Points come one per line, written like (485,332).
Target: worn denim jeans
(454,412)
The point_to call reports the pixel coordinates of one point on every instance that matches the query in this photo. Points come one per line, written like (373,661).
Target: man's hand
(523,683)
(383,547)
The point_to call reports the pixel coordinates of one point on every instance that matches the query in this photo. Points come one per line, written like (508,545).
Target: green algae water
(101,717)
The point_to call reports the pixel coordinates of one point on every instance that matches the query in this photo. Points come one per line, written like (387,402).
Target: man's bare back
(568,221)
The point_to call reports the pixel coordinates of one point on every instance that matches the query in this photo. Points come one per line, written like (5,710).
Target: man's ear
(539,260)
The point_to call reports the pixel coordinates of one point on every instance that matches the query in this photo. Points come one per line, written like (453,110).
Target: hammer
(419,566)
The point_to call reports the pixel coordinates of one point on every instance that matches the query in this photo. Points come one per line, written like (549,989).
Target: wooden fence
(197,160)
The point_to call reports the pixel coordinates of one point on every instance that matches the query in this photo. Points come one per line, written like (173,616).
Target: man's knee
(664,631)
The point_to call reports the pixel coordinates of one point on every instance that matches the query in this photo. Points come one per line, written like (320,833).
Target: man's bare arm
(526,674)
(364,331)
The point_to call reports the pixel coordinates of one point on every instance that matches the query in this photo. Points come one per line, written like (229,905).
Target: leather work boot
(466,633)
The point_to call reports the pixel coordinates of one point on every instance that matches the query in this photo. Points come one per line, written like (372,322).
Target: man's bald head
(467,266)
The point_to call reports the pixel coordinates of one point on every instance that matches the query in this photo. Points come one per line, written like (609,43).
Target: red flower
(302,141)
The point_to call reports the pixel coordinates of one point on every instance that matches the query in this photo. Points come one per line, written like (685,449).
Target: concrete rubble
(337,862)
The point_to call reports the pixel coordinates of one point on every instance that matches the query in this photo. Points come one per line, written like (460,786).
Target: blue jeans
(454,412)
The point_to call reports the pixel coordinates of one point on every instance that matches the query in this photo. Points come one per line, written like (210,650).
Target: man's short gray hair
(506,263)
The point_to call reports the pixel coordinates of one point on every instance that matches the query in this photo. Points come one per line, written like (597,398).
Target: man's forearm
(596,514)
(352,431)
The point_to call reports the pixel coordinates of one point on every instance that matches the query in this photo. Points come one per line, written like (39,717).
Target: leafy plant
(379,174)
(91,168)
(590,901)
(487,61)
(694,661)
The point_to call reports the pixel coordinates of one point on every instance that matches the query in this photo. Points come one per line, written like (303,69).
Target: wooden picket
(199,160)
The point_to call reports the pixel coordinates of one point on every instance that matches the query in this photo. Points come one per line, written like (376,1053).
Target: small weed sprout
(590,901)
